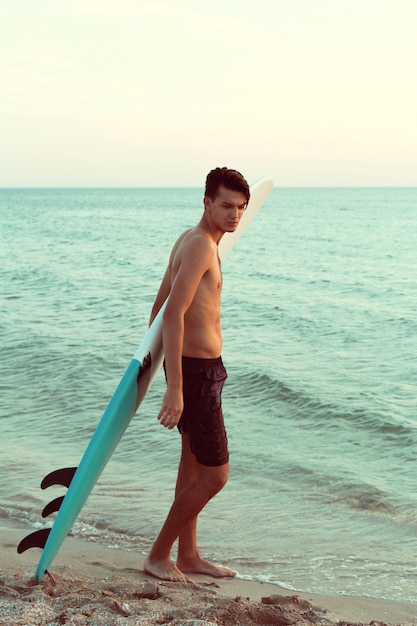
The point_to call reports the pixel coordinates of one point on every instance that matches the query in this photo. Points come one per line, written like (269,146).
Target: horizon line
(276,186)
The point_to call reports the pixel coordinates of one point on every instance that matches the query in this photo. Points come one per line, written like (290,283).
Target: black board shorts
(202,417)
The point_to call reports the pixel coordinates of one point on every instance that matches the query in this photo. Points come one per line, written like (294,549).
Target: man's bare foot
(165,569)
(201,566)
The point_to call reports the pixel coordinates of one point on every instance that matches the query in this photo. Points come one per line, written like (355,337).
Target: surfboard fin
(61,476)
(38,539)
(34,540)
(53,506)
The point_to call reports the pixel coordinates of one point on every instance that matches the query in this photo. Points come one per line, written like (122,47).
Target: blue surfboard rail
(131,390)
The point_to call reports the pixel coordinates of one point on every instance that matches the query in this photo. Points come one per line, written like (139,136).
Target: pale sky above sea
(157,92)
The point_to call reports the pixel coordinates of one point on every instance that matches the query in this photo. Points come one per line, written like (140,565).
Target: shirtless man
(195,375)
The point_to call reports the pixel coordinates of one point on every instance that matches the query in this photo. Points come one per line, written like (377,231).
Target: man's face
(226,209)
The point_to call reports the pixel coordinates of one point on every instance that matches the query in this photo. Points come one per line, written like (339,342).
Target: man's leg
(187,473)
(189,560)
(196,486)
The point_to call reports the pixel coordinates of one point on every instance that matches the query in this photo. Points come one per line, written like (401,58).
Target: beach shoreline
(92,584)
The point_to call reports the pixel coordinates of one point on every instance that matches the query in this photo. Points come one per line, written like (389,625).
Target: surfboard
(134,384)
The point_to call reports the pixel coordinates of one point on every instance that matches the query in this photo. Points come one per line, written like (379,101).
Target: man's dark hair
(231,179)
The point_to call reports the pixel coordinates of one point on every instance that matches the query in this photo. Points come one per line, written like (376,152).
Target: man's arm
(196,258)
(162,294)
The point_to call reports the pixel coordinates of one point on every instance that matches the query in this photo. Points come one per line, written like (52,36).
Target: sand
(91,585)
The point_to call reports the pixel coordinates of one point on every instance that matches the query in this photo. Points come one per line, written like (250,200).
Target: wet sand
(90,584)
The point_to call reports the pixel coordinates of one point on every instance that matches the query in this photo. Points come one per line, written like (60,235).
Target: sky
(158,92)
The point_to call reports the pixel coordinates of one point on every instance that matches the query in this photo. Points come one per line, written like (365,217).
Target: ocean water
(320,339)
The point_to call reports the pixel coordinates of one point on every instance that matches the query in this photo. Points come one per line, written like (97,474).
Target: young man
(195,375)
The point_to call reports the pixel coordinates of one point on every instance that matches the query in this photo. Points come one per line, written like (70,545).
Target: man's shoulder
(195,241)
(193,251)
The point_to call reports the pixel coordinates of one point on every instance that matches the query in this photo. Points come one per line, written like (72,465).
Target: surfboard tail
(81,480)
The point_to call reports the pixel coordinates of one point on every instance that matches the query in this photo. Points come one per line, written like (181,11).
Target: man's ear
(207,203)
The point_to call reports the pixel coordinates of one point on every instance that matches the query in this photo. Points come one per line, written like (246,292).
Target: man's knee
(214,478)
(220,479)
